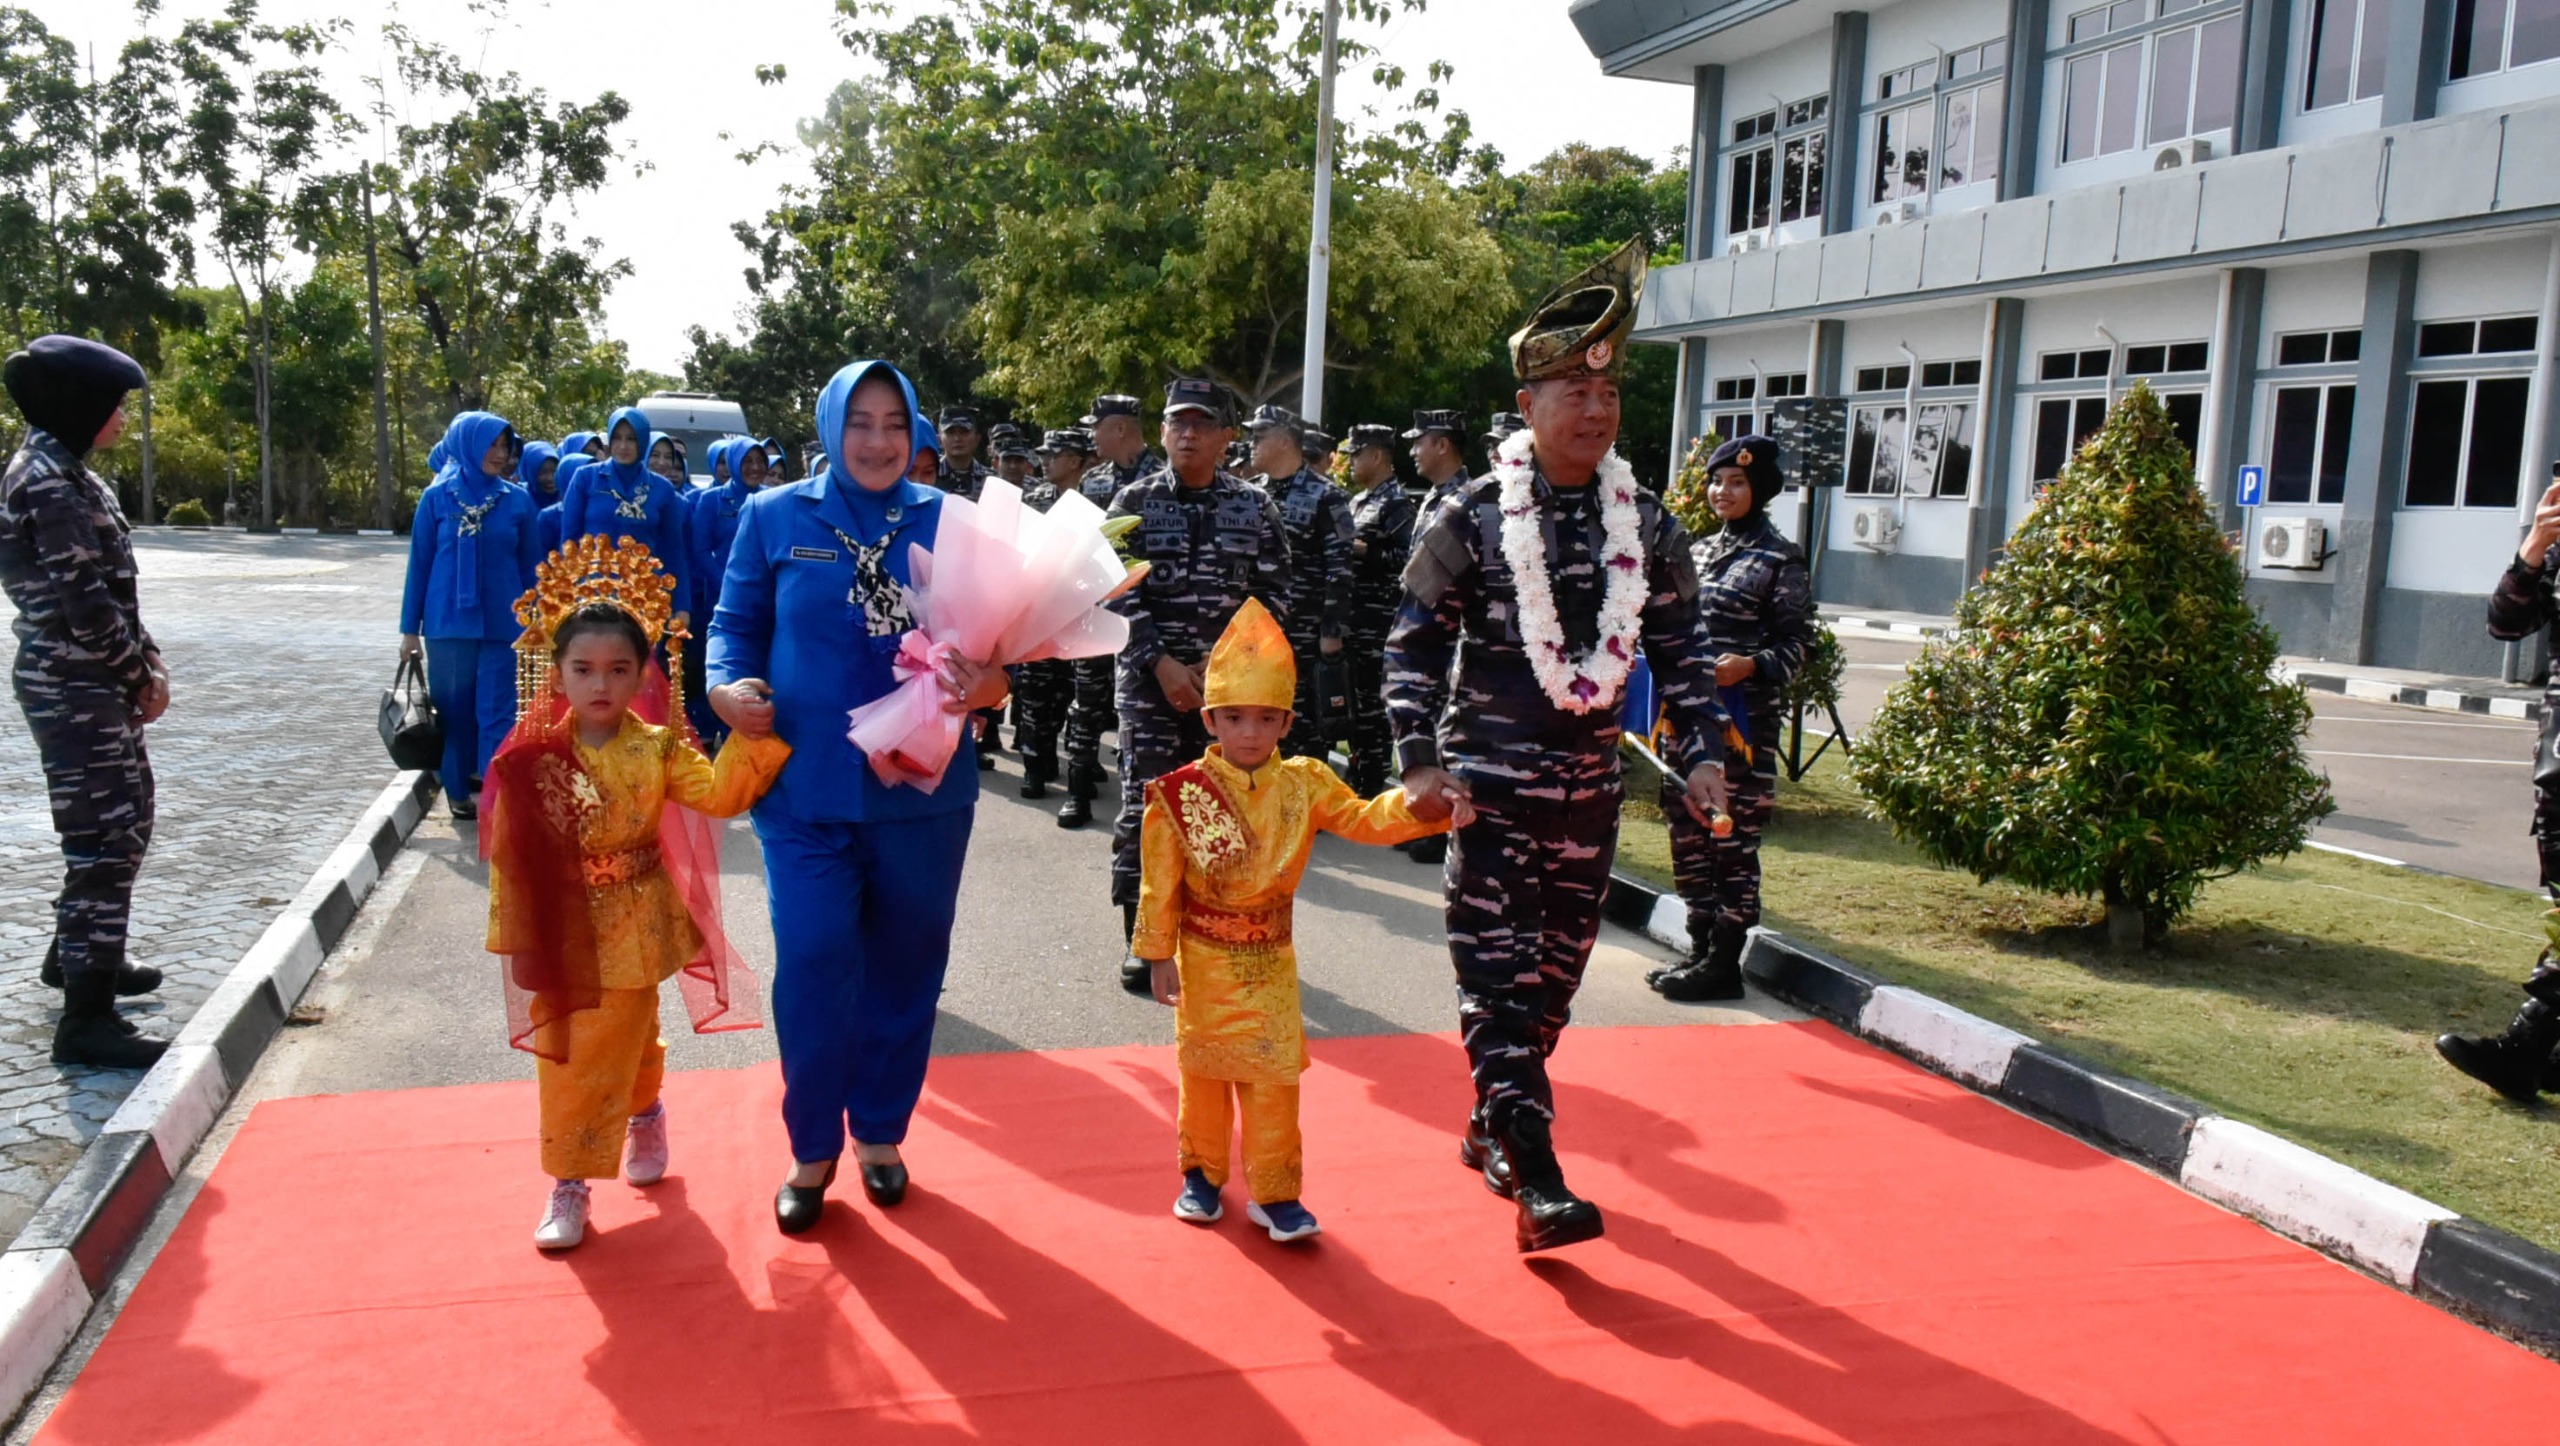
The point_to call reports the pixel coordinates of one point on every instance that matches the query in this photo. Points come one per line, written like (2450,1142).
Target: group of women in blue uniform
(800,586)
(498,506)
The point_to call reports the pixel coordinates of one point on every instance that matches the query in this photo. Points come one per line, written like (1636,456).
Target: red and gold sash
(1213,833)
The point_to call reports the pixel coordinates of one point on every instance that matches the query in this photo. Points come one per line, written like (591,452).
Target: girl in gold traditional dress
(603,876)
(1222,847)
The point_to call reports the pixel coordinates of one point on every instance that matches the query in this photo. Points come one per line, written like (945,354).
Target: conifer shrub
(2103,722)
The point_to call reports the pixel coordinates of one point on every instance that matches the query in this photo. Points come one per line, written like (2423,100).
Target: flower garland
(1593,681)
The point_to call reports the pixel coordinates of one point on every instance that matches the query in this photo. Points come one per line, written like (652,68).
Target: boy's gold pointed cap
(1252,666)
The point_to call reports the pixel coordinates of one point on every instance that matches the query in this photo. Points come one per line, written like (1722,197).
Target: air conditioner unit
(2294,542)
(1874,528)
(1735,247)
(2182,153)
(1755,240)
(1898,212)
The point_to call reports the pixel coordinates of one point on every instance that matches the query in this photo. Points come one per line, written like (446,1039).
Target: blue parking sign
(2253,486)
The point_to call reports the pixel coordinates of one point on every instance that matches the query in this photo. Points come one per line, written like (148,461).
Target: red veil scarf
(543,931)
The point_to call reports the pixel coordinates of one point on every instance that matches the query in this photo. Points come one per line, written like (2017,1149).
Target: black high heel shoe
(796,1208)
(885,1184)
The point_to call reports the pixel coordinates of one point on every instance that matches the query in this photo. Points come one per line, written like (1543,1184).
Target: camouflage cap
(1581,328)
(1442,420)
(1114,405)
(1271,419)
(1318,442)
(1198,394)
(1066,439)
(1373,434)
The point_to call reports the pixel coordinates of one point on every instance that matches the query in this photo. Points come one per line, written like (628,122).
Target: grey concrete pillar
(1848,89)
(2230,397)
(1706,133)
(2421,39)
(1823,350)
(2022,120)
(1688,397)
(2266,34)
(2004,321)
(2373,477)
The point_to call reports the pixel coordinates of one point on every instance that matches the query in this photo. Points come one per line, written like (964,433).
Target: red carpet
(1809,1241)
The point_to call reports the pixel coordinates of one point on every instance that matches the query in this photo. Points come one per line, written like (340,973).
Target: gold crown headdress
(591,569)
(1252,665)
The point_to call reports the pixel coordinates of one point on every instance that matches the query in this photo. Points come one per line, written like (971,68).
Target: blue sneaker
(1198,1204)
(1287,1220)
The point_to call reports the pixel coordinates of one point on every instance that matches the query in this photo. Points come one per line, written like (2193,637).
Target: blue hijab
(529,471)
(467,441)
(872,508)
(575,443)
(626,478)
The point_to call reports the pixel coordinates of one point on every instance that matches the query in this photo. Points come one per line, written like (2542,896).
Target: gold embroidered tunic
(1222,852)
(643,931)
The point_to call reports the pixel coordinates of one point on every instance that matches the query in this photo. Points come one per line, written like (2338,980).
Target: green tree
(46,170)
(2103,722)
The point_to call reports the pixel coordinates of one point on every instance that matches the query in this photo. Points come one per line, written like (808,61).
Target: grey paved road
(277,647)
(2450,792)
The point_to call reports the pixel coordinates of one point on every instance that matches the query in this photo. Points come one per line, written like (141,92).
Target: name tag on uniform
(815,554)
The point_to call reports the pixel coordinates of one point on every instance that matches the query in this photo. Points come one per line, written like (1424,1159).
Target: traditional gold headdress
(1252,666)
(591,569)
(1581,328)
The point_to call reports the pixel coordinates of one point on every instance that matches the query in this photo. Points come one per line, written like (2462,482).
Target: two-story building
(2327,232)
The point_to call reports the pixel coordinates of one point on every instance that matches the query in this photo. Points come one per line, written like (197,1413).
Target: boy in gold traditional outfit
(1222,846)
(603,873)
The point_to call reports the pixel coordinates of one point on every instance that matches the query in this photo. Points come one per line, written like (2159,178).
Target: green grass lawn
(2303,998)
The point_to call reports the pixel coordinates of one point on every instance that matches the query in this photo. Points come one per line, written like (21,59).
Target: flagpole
(1320,237)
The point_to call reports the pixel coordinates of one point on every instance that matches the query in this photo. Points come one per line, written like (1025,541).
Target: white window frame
(2361,35)
(2323,388)
(1902,94)
(1802,126)
(2470,378)
(1933,413)
(2506,43)
(2105,50)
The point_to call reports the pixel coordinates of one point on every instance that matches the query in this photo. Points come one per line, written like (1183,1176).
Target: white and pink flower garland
(1593,681)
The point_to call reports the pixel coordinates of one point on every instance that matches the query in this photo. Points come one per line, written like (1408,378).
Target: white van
(698,419)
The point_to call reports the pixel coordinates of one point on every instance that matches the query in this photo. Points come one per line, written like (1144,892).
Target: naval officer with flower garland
(1526,598)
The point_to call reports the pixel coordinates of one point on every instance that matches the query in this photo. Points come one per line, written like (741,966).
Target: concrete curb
(2476,1271)
(52,1273)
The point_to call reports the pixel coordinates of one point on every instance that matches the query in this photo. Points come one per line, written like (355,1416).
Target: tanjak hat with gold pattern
(1252,666)
(1581,329)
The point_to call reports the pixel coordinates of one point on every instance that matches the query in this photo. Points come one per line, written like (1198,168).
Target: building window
(2154,360)
(1883,379)
(1732,413)
(1948,137)
(2477,338)
(2349,39)
(2194,79)
(2311,348)
(2063,366)
(2466,442)
(1951,374)
(1924,453)
(2062,425)
(2308,452)
(2494,35)
(1775,175)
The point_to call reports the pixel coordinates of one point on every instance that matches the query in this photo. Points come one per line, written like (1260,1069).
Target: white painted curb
(178,1101)
(2311,1197)
(42,1303)
(1670,922)
(1972,1049)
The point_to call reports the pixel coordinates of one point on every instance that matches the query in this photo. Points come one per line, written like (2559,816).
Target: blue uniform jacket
(601,499)
(717,512)
(508,543)
(810,604)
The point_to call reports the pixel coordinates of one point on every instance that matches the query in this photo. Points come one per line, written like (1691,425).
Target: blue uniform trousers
(474,687)
(861,935)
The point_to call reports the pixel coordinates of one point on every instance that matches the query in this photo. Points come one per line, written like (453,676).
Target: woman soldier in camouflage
(1755,605)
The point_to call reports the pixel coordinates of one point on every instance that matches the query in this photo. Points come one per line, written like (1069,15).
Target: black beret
(1758,458)
(68,386)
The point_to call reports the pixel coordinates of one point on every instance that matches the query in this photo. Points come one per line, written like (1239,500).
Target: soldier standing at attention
(959,472)
(1041,690)
(1320,448)
(1211,540)
(88,678)
(1125,457)
(1382,522)
(1504,425)
(1756,602)
(1526,599)
(1316,516)
(1439,458)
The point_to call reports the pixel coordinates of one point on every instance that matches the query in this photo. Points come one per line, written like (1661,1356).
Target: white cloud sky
(1523,76)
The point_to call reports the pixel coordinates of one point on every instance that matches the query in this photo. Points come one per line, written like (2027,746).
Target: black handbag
(411,728)
(1333,696)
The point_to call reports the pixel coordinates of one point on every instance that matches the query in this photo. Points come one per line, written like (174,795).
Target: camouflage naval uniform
(1383,520)
(1316,517)
(84,658)
(1092,708)
(1526,878)
(1753,599)
(1042,690)
(1209,548)
(967,484)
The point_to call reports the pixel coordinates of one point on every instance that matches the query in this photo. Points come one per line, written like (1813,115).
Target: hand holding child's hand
(1164,981)
(745,705)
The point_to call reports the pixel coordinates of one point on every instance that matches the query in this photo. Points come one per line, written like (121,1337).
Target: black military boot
(1035,779)
(1713,975)
(1136,975)
(1077,811)
(1480,1149)
(2516,1064)
(92,1033)
(131,978)
(1550,1214)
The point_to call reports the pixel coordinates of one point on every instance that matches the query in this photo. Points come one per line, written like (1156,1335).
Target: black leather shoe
(1700,981)
(796,1208)
(2515,1063)
(92,1033)
(885,1184)
(1137,976)
(463,812)
(1076,812)
(1478,1150)
(131,979)
(1550,1214)
(1035,783)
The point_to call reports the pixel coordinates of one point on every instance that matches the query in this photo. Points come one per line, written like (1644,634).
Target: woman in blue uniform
(472,550)
(863,879)
(619,497)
